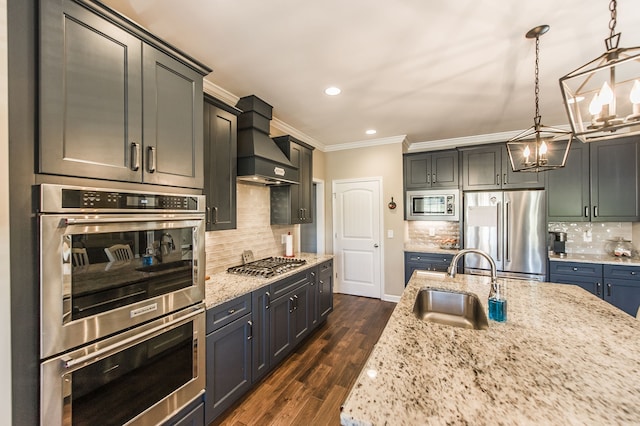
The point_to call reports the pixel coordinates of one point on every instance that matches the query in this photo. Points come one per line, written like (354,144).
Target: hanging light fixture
(539,148)
(602,98)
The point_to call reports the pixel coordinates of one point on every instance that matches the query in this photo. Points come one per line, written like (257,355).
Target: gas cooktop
(267,267)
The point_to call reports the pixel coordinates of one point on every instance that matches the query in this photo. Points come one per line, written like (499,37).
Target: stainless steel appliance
(433,205)
(511,227)
(267,267)
(121,271)
(559,243)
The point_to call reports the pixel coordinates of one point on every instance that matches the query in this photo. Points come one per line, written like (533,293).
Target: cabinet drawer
(223,314)
(622,272)
(326,265)
(593,270)
(282,287)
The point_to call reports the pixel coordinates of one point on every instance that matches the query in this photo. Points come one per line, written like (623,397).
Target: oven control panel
(108,200)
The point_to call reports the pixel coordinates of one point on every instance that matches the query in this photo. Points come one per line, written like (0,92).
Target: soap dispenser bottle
(498,302)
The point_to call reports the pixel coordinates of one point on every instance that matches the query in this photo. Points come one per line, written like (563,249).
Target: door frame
(320,213)
(379,181)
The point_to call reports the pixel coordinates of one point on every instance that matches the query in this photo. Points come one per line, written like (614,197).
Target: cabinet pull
(215,215)
(586,211)
(313,274)
(250,324)
(135,156)
(433,180)
(428,178)
(152,159)
(504,178)
(498,179)
(598,286)
(320,286)
(300,213)
(231,311)
(595,211)
(608,289)
(267,300)
(295,302)
(633,272)
(290,304)
(208,215)
(575,269)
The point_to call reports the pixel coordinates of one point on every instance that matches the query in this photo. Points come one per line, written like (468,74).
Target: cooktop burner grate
(267,267)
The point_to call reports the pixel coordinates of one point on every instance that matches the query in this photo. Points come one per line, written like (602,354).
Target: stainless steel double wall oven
(122,312)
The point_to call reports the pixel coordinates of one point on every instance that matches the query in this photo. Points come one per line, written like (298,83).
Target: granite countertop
(563,357)
(222,287)
(596,258)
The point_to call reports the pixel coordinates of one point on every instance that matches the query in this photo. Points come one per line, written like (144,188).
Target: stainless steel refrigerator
(511,227)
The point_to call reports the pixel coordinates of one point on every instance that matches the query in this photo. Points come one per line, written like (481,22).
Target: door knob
(376,245)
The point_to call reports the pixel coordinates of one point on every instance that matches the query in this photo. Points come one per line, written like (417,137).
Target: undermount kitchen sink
(457,309)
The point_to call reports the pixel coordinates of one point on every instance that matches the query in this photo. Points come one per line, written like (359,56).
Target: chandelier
(539,148)
(602,98)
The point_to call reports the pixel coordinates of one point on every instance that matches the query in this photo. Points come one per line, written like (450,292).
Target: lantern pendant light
(602,98)
(539,148)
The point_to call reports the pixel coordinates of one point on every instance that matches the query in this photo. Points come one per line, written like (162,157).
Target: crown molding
(220,93)
(280,125)
(367,143)
(468,140)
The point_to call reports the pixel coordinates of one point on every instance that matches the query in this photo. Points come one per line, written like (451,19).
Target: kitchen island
(564,356)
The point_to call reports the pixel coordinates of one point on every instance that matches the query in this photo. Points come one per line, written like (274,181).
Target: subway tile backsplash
(591,237)
(254,232)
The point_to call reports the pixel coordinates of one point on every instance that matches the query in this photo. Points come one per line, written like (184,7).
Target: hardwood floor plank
(309,386)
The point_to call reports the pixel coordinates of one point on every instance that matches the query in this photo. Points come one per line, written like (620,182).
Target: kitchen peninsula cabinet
(600,183)
(425,261)
(488,168)
(325,289)
(431,170)
(293,204)
(115,102)
(220,163)
(616,284)
(229,334)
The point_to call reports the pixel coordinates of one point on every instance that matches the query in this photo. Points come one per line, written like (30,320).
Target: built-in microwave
(432,205)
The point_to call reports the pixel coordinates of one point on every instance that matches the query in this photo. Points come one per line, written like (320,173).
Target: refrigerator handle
(499,251)
(507,250)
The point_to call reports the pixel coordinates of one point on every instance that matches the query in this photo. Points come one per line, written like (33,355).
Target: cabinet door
(228,366)
(90,95)
(260,363)
(568,188)
(281,324)
(301,308)
(623,294)
(518,180)
(481,168)
(444,169)
(325,289)
(173,103)
(417,171)
(306,185)
(314,297)
(615,182)
(220,155)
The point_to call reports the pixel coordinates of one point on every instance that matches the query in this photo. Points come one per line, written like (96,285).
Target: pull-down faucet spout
(494,274)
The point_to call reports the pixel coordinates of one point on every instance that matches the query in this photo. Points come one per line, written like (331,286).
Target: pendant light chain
(614,16)
(537,81)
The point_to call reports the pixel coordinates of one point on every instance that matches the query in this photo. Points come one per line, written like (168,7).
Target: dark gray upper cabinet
(615,180)
(431,170)
(488,168)
(99,74)
(292,204)
(568,187)
(600,183)
(220,159)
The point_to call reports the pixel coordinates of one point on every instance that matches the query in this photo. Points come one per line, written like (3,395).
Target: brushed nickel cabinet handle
(135,156)
(152,159)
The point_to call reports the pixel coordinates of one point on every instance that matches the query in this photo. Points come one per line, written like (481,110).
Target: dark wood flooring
(311,384)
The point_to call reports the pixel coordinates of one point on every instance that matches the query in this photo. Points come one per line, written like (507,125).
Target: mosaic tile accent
(591,237)
(254,232)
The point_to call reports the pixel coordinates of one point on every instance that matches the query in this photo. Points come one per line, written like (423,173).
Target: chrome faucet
(494,273)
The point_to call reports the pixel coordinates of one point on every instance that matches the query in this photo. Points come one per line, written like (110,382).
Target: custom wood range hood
(260,161)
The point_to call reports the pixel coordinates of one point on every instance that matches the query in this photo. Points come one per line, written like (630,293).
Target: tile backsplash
(254,232)
(431,233)
(591,237)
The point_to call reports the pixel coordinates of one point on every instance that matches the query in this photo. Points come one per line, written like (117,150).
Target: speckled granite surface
(222,287)
(597,258)
(428,249)
(564,357)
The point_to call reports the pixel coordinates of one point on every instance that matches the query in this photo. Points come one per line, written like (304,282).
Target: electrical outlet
(586,236)
(283,238)
(389,233)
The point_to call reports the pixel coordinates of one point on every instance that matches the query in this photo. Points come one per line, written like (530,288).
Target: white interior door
(357,231)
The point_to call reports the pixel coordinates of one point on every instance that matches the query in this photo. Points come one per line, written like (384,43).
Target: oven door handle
(68,363)
(143,218)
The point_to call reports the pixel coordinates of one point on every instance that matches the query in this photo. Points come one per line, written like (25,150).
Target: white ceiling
(430,70)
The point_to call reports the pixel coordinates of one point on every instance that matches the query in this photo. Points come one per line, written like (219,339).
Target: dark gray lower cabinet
(193,415)
(248,336)
(228,355)
(618,285)
(425,261)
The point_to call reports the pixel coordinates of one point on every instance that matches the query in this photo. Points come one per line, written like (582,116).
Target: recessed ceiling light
(332,91)
(371,132)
